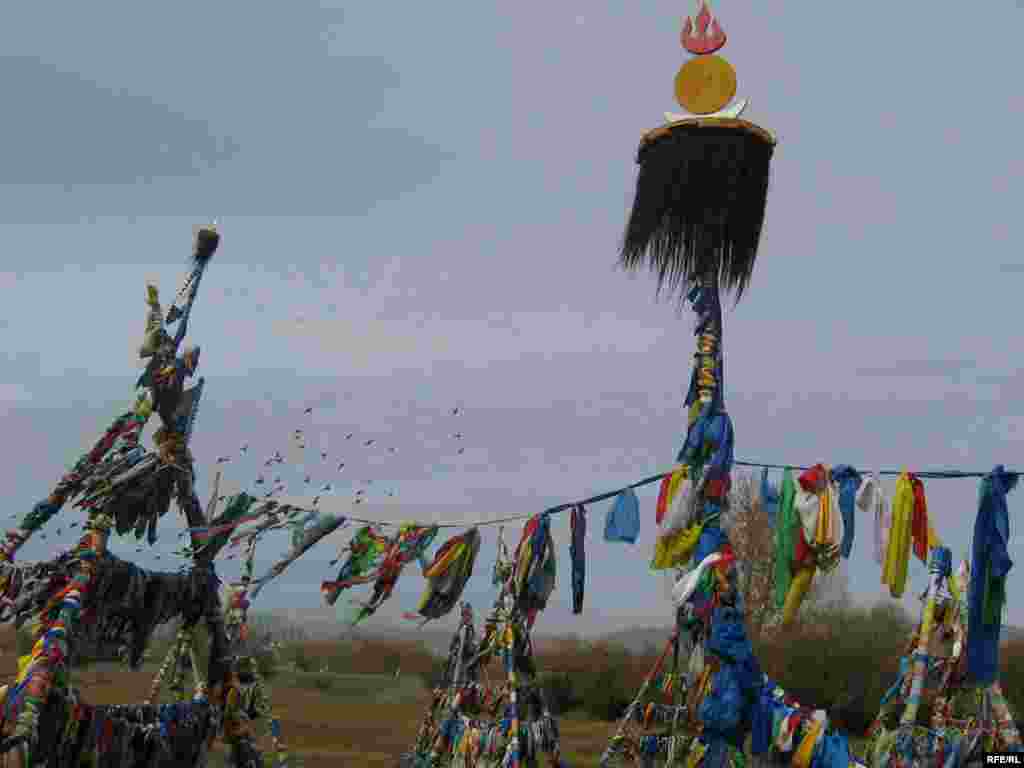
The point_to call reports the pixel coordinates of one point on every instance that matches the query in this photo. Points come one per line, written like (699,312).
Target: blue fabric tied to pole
(623,521)
(448,729)
(769,498)
(833,751)
(763,721)
(712,428)
(729,708)
(941,562)
(649,745)
(990,564)
(539,542)
(712,538)
(848,480)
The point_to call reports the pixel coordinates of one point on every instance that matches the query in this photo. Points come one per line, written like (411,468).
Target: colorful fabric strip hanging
(535,567)
(919,525)
(365,549)
(323,525)
(894,570)
(770,498)
(623,521)
(672,510)
(989,567)
(871,498)
(785,533)
(577,555)
(448,574)
(410,543)
(848,480)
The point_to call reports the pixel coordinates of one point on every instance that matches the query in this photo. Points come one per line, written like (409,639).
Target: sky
(421,206)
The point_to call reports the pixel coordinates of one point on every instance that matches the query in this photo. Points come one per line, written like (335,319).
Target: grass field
(340,720)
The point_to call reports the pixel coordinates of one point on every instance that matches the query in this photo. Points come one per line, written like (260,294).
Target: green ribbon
(785,522)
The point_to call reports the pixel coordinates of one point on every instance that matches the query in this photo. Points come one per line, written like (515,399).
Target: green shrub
(266,665)
(323,682)
(1012,678)
(605,695)
(843,662)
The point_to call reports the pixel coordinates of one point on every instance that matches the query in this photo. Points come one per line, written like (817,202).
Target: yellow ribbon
(897,554)
(675,548)
(798,589)
(825,533)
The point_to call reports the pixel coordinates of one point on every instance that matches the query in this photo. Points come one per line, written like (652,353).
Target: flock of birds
(270,480)
(270,472)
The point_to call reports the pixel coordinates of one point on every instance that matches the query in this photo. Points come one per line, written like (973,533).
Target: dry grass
(335,727)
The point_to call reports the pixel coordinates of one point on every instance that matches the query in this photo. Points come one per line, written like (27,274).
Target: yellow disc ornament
(705,84)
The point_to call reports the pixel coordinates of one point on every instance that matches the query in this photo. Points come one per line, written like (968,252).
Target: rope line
(940,474)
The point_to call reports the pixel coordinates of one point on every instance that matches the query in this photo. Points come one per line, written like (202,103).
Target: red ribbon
(919,521)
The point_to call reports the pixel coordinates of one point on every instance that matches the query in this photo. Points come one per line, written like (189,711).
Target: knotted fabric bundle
(685,588)
(727,712)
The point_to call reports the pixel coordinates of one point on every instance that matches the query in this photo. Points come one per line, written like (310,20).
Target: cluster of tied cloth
(484,743)
(72,733)
(902,528)
(124,605)
(379,559)
(814,516)
(741,699)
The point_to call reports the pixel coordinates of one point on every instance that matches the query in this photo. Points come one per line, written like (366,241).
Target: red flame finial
(709,35)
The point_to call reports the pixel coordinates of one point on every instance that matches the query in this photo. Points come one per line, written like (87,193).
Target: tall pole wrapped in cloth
(696,223)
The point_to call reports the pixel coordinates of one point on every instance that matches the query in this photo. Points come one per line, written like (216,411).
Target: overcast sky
(421,206)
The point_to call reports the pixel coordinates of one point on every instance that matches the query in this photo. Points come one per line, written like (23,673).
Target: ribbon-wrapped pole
(939,570)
